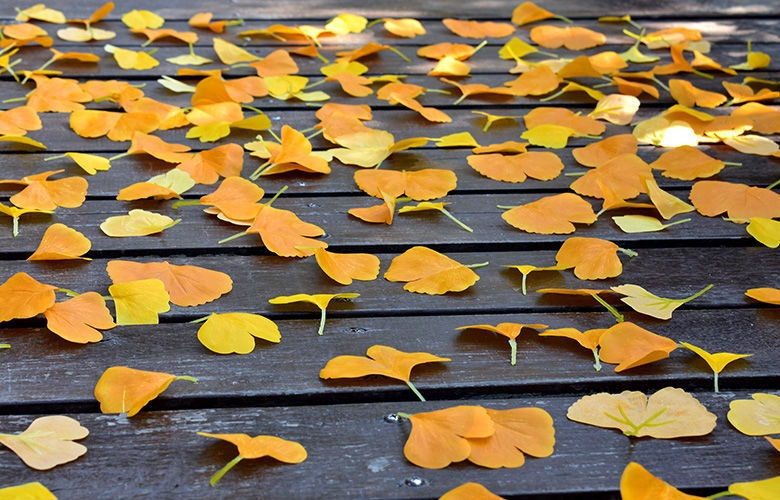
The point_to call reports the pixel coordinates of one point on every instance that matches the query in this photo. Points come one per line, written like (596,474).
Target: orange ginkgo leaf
(591,258)
(380,360)
(712,198)
(354,85)
(687,163)
(508,330)
(549,136)
(17,121)
(186,285)
(236,198)
(137,222)
(477,89)
(126,390)
(294,153)
(686,94)
(439,51)
(573,38)
(429,272)
(541,165)
(667,414)
(203,20)
(43,194)
(419,185)
(628,345)
(77,319)
(343,268)
(766,120)
(116,126)
(406,27)
(553,214)
(376,214)
(320,300)
(599,153)
(582,125)
(503,147)
(154,146)
(56,94)
(430,114)
(742,93)
(440,437)
(207,166)
(284,234)
(60,242)
(475,29)
(622,175)
(25,297)
(767,295)
(470,491)
(637,483)
(289,452)
(529,12)
(537,81)
(759,416)
(589,339)
(629,87)
(518,431)
(47,442)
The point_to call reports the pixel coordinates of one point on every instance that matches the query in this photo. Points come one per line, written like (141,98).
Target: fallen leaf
(753,144)
(517,431)
(573,38)
(406,27)
(43,194)
(622,175)
(137,223)
(526,269)
(551,215)
(508,330)
(284,234)
(541,165)
(591,258)
(126,390)
(668,413)
(138,19)
(759,416)
(466,491)
(765,231)
(642,223)
(686,94)
(717,361)
(60,242)
(429,272)
(47,442)
(650,304)
(589,339)
(77,319)
(629,345)
(765,489)
(320,300)
(637,483)
(767,295)
(599,153)
(139,302)
(230,333)
(712,198)
(343,268)
(616,108)
(419,185)
(687,163)
(25,297)
(37,491)
(476,29)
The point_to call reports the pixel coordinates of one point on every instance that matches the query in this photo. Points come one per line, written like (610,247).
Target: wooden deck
(354,451)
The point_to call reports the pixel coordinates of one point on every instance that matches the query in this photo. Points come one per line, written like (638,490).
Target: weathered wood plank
(259,278)
(479,367)
(353,452)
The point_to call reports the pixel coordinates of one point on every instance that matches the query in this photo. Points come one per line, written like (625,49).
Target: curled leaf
(126,390)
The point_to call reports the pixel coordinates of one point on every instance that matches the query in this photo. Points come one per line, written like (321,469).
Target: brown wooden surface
(354,452)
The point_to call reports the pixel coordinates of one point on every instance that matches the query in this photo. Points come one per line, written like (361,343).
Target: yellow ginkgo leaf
(667,204)
(40,12)
(346,23)
(459,139)
(527,269)
(140,19)
(137,223)
(139,302)
(645,302)
(188,60)
(753,144)
(20,139)
(642,223)
(766,489)
(321,300)
(717,361)
(28,491)
(231,54)
(131,59)
(235,332)
(549,135)
(91,164)
(765,231)
(759,416)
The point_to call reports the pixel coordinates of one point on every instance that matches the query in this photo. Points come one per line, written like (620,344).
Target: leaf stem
(715,374)
(662,84)
(200,320)
(476,49)
(257,173)
(464,226)
(774,184)
(414,390)
(69,293)
(732,163)
(400,54)
(574,174)
(186,377)
(247,106)
(513,356)
(14,99)
(284,188)
(628,252)
(15,230)
(322,321)
(676,222)
(548,54)
(315,134)
(184,203)
(221,472)
(57,157)
(524,280)
(5,346)
(697,294)
(564,19)
(403,415)
(597,364)
(619,317)
(168,226)
(507,207)
(705,75)
(270,131)
(481,264)
(238,235)
(553,96)
(720,494)
(120,155)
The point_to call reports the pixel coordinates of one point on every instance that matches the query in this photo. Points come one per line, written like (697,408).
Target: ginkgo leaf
(753,144)
(41,13)
(529,12)
(645,302)
(376,214)
(629,345)
(589,339)
(77,319)
(139,19)
(320,300)
(280,449)
(468,491)
(419,185)
(31,491)
(717,361)
(160,187)
(91,164)
(766,231)
(284,234)
(153,145)
(343,268)
(236,198)
(207,166)
(439,437)
(528,269)
(599,153)
(764,118)
(25,297)
(60,242)
(637,483)
(744,93)
(132,59)
(476,29)
(642,223)
(537,81)
(139,302)
(43,194)
(380,360)
(551,215)
(229,53)
(235,332)
(687,163)
(137,223)
(503,147)
(429,272)
(686,94)
(712,198)
(541,165)
(759,416)
(18,139)
(622,175)
(573,38)
(48,442)
(549,136)
(616,108)
(565,118)
(15,213)
(517,431)
(406,27)
(765,489)
(668,413)
(508,330)
(768,295)
(591,258)
(186,285)
(126,390)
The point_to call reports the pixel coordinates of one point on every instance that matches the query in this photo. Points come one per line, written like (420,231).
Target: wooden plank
(755,170)
(479,368)
(324,9)
(259,278)
(354,452)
